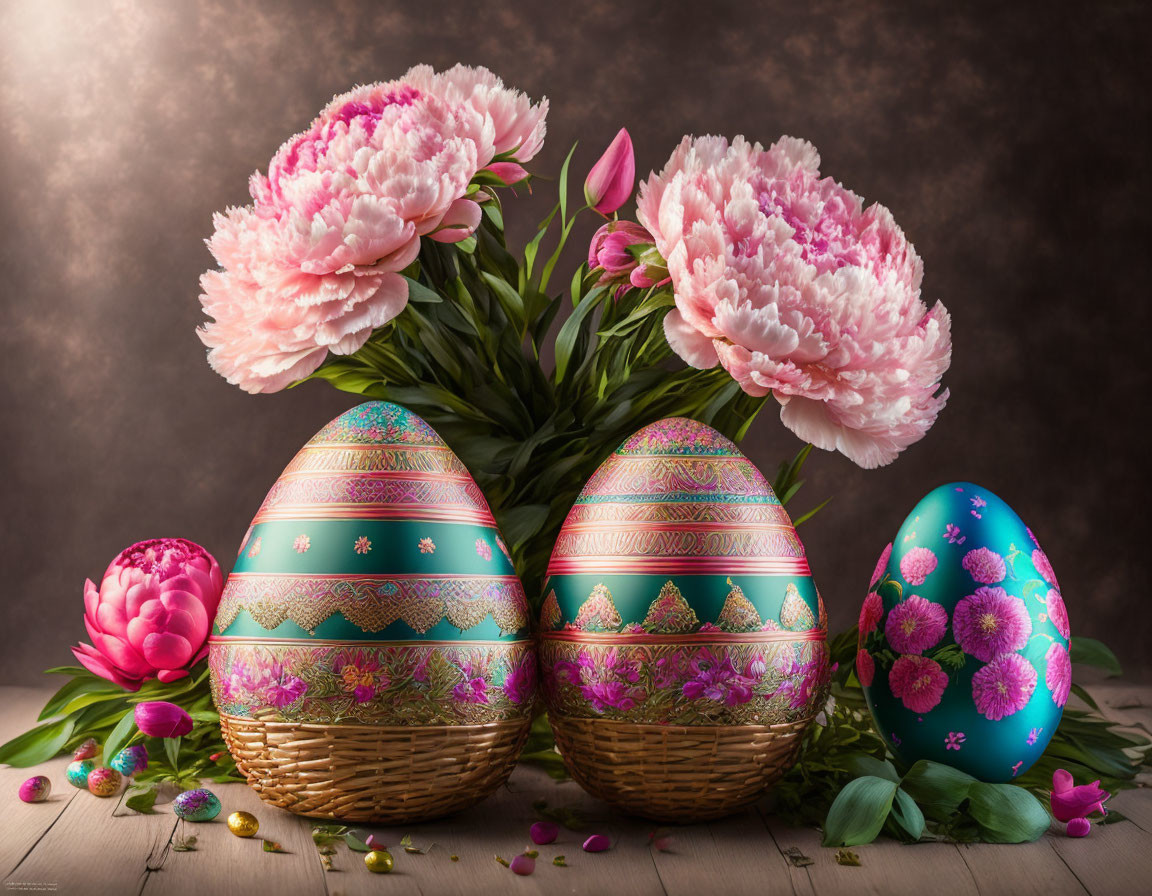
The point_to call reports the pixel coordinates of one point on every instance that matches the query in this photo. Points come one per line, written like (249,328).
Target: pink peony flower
(788,282)
(609,183)
(1069,801)
(881,564)
(870,613)
(915,624)
(991,622)
(151,615)
(865,667)
(1044,568)
(1058,673)
(1058,613)
(917,682)
(158,718)
(917,565)
(1004,686)
(985,566)
(312,265)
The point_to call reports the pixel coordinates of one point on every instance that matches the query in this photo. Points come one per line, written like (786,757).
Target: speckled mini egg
(104,781)
(963,650)
(78,771)
(374,590)
(36,789)
(678,593)
(130,760)
(196,805)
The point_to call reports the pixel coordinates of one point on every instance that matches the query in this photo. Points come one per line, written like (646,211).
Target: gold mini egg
(243,824)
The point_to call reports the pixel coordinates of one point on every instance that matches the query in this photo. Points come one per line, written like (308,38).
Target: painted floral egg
(104,781)
(374,612)
(963,649)
(130,760)
(78,771)
(678,594)
(196,805)
(36,789)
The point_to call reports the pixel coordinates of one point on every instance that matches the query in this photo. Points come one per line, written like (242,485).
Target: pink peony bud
(611,251)
(160,719)
(609,183)
(509,172)
(1069,802)
(151,615)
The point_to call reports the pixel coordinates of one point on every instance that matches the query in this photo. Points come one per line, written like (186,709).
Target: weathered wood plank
(1135,805)
(1021,870)
(225,864)
(1115,858)
(23,824)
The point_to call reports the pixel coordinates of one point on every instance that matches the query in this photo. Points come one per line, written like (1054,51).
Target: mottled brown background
(1010,141)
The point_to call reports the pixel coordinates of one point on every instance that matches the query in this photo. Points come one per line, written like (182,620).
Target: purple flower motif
(896,740)
(954,740)
(471,690)
(865,667)
(609,681)
(915,624)
(1004,686)
(990,622)
(985,566)
(952,533)
(1058,673)
(976,514)
(285,690)
(483,549)
(978,502)
(1044,568)
(520,683)
(917,682)
(1058,613)
(1034,735)
(881,564)
(1016,768)
(714,678)
(870,613)
(917,565)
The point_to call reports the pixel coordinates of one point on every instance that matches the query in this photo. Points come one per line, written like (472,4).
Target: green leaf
(172,751)
(120,734)
(418,292)
(566,338)
(564,183)
(1007,813)
(80,684)
(859,811)
(144,801)
(938,789)
(355,843)
(908,815)
(521,523)
(1090,652)
(38,745)
(861,764)
(205,715)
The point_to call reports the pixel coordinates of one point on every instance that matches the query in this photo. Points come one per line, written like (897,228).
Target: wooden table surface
(78,843)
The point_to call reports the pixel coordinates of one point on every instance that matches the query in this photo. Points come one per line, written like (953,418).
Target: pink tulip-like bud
(543,832)
(597,843)
(160,719)
(1070,802)
(151,615)
(613,251)
(1078,827)
(461,219)
(609,183)
(523,865)
(509,172)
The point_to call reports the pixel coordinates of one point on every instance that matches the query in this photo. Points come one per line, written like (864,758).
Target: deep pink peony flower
(788,282)
(985,566)
(870,613)
(865,667)
(1004,686)
(881,564)
(1058,613)
(1069,801)
(158,718)
(917,565)
(915,624)
(1058,673)
(917,682)
(151,615)
(312,265)
(991,622)
(1044,568)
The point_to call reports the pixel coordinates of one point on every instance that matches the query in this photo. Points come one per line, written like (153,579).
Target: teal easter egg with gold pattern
(963,651)
(372,591)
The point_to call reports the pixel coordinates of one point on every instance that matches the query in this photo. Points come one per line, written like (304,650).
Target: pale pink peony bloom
(881,565)
(915,624)
(990,622)
(1004,686)
(312,266)
(870,613)
(865,667)
(985,566)
(1058,613)
(1058,673)
(151,615)
(793,286)
(917,565)
(917,682)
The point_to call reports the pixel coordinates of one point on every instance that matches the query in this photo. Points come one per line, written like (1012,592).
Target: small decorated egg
(87,750)
(130,760)
(963,646)
(78,771)
(35,789)
(243,824)
(104,781)
(378,861)
(196,805)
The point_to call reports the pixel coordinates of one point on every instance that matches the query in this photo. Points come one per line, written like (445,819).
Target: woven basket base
(387,775)
(673,773)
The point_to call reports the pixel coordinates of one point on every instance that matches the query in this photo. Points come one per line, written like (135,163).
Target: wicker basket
(673,773)
(387,775)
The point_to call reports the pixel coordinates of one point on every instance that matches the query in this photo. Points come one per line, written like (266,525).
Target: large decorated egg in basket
(371,658)
(683,642)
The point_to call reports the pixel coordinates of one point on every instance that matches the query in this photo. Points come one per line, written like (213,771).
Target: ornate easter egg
(36,789)
(371,656)
(104,781)
(78,771)
(196,805)
(963,650)
(683,641)
(130,760)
